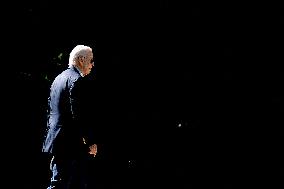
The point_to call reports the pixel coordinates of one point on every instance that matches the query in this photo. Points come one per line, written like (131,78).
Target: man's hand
(93,149)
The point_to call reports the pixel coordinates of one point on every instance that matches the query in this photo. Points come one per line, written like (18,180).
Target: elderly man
(67,140)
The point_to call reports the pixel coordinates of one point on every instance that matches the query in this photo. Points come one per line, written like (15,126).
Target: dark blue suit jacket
(65,127)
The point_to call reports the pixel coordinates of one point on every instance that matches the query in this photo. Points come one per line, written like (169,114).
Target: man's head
(82,57)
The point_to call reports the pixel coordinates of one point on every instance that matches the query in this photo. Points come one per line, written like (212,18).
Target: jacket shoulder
(67,76)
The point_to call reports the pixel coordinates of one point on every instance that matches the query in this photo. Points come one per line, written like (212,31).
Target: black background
(213,68)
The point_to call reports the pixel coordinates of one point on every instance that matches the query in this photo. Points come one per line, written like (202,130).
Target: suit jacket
(65,124)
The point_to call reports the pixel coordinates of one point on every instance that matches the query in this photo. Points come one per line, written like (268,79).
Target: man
(67,139)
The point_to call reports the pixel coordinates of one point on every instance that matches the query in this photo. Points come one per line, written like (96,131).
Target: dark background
(186,95)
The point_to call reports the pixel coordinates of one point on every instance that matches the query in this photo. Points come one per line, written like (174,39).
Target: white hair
(78,51)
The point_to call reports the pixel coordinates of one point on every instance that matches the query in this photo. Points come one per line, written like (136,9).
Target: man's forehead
(90,54)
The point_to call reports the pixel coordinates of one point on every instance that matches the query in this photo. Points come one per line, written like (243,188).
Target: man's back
(61,115)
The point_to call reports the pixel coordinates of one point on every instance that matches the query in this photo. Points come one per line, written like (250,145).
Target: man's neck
(76,67)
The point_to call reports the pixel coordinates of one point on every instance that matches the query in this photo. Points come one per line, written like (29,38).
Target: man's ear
(81,59)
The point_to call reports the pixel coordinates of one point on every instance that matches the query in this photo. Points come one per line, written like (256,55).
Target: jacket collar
(76,70)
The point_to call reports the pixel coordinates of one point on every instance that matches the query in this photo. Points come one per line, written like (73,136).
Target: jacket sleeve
(80,111)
